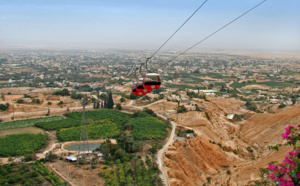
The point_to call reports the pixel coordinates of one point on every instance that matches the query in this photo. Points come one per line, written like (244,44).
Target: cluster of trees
(118,106)
(223,89)
(124,168)
(21,144)
(19,174)
(20,100)
(294,98)
(64,92)
(74,95)
(46,173)
(181,109)
(36,101)
(133,172)
(108,101)
(26,96)
(149,111)
(192,94)
(251,106)
(84,88)
(182,133)
(4,107)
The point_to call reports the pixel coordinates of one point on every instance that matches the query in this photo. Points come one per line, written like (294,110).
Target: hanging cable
(149,58)
(215,32)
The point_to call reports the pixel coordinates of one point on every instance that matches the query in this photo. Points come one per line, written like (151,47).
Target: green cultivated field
(74,119)
(106,124)
(47,174)
(144,128)
(100,129)
(21,144)
(220,84)
(27,174)
(26,123)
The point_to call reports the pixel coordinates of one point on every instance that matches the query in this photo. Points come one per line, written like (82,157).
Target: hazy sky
(146,24)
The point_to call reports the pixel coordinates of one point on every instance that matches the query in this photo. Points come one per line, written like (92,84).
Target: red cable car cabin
(151,81)
(135,92)
(140,88)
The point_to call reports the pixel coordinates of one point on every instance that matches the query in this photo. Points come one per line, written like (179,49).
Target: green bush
(4,107)
(207,116)
(118,106)
(28,157)
(181,109)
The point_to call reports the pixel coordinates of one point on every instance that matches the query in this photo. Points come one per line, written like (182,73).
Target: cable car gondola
(140,87)
(135,92)
(134,87)
(151,81)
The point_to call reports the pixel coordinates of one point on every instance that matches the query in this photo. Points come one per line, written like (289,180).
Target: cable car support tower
(84,150)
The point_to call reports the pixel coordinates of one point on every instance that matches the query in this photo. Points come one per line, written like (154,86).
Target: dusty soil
(31,130)
(78,176)
(162,106)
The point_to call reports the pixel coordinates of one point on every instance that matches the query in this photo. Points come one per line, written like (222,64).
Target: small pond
(76,147)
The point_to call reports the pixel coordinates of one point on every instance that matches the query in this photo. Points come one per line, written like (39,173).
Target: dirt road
(161,152)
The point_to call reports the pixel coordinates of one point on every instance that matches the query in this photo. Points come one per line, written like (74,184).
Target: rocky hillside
(226,152)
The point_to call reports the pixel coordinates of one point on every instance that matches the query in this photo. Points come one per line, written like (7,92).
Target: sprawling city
(140,116)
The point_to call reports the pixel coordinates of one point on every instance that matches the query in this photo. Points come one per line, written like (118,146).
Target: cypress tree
(110,101)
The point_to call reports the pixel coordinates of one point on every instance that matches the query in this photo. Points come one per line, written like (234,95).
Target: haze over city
(133,24)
